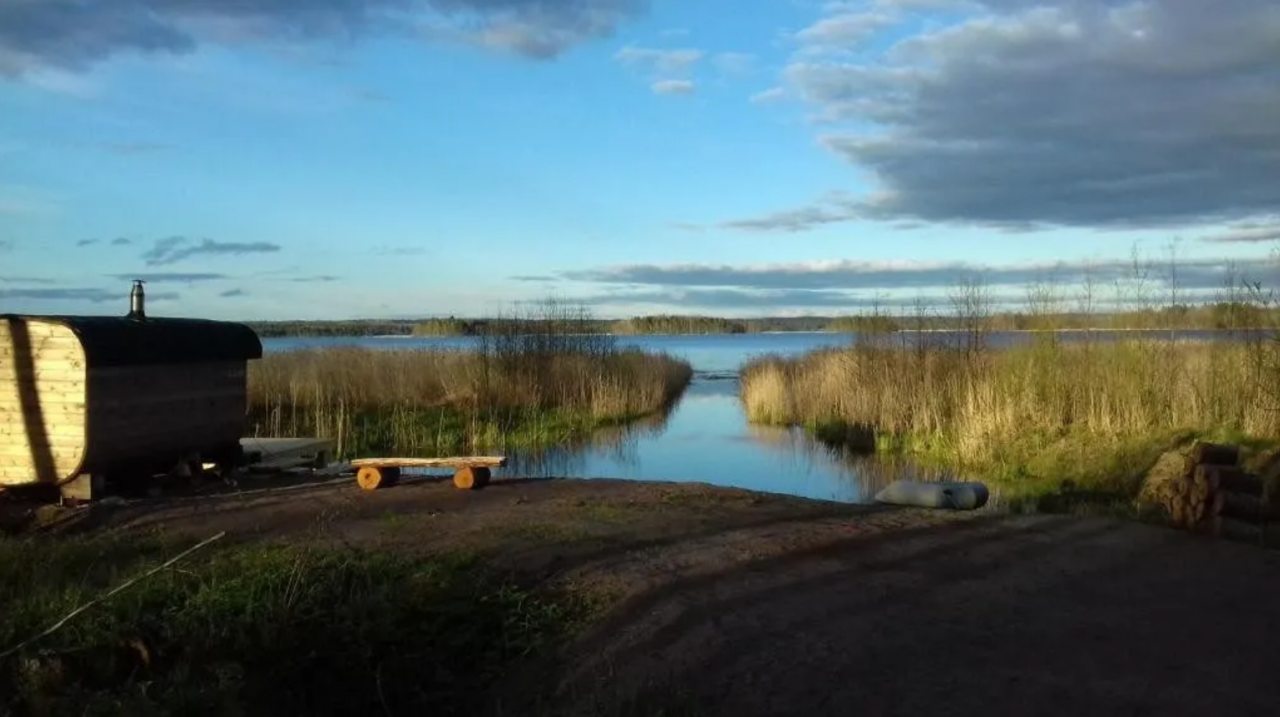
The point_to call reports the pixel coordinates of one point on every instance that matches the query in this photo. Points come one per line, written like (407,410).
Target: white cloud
(659,61)
(773,94)
(673,87)
(844,30)
(733,63)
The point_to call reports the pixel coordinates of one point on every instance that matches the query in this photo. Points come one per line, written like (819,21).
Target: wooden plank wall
(159,411)
(42,402)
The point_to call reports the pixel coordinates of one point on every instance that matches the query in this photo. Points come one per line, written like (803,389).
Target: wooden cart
(471,472)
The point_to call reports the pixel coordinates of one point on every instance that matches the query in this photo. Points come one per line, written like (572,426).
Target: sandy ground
(729,602)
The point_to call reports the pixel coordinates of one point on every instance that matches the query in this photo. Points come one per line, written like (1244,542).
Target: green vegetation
(670,324)
(532,382)
(262,630)
(445,327)
(1090,417)
(873,324)
(359,327)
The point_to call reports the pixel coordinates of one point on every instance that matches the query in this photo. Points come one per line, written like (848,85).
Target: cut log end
(373,477)
(471,478)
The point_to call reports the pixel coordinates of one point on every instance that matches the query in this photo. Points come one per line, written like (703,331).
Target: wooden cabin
(86,397)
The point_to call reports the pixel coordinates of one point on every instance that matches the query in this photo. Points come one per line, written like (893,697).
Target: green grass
(443,430)
(262,630)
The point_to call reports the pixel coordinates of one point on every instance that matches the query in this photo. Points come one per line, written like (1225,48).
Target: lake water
(706,436)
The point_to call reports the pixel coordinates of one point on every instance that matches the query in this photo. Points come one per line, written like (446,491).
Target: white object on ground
(954,495)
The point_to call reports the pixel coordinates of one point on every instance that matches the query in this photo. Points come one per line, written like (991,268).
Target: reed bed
(429,402)
(1087,411)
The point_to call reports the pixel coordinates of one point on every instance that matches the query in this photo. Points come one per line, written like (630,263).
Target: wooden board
(43,398)
(158,410)
(452,462)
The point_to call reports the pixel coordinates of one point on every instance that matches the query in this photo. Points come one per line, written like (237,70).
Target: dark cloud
(891,276)
(93,296)
(794,220)
(121,241)
(171,277)
(173,249)
(74,34)
(739,301)
(233,293)
(320,279)
(1055,112)
(86,242)
(732,298)
(1247,233)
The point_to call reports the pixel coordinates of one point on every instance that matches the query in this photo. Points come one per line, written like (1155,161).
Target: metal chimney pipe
(137,301)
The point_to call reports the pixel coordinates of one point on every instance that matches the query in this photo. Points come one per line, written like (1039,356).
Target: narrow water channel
(706,438)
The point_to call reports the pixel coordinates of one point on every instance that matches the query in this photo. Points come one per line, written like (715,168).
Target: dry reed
(975,406)
(435,401)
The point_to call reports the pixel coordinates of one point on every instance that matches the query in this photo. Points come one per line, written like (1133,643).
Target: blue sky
(335,159)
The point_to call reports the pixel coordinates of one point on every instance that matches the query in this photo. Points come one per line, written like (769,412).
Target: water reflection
(706,438)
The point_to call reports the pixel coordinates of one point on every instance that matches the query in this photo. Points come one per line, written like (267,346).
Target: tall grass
(1043,410)
(506,393)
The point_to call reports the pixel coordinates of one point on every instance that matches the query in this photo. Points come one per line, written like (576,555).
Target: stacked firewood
(1217,496)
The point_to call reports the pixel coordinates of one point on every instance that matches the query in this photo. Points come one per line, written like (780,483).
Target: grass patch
(262,630)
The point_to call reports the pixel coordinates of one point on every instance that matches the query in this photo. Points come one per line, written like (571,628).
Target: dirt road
(728,602)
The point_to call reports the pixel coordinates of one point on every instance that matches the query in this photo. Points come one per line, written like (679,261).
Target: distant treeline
(354,327)
(670,324)
(1220,315)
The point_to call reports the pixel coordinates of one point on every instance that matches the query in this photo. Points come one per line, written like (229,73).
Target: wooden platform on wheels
(471,472)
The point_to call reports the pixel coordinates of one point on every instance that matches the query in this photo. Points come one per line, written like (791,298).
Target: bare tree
(1088,293)
(971,304)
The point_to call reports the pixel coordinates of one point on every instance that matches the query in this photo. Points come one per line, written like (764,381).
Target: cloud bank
(73,35)
(853,284)
(1131,113)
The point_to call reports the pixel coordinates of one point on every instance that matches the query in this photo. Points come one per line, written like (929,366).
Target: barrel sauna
(87,397)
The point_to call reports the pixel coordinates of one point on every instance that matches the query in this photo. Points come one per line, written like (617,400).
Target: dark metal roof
(111,341)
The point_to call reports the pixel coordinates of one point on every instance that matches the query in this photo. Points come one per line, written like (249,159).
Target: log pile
(1216,496)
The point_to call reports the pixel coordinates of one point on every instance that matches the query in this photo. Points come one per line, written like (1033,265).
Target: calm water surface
(706,437)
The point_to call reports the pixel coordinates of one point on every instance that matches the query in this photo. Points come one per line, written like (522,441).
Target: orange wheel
(470,478)
(369,477)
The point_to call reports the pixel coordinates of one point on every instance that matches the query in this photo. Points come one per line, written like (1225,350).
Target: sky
(334,159)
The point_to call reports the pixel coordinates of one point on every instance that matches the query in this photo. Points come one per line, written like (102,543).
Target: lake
(706,436)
